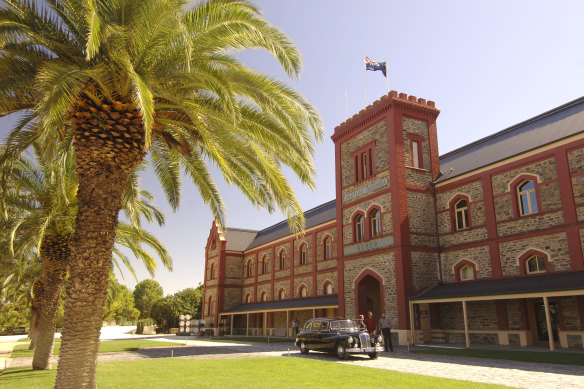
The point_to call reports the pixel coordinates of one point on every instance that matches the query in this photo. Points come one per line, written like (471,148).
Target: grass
(259,373)
(110,346)
(562,358)
(258,339)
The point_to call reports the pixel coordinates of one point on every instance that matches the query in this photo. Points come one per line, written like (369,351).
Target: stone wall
(421,213)
(322,278)
(554,245)
(478,255)
(424,270)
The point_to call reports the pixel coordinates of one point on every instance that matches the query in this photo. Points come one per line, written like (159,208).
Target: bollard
(172,353)
(288,351)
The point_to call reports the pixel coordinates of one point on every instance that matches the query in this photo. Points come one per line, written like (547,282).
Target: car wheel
(341,350)
(303,348)
(373,355)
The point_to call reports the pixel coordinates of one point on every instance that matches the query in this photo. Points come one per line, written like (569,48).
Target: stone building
(481,245)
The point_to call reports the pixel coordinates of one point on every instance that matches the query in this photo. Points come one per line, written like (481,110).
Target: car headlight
(350,340)
(380,339)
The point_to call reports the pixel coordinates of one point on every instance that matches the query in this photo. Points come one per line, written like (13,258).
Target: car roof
(328,319)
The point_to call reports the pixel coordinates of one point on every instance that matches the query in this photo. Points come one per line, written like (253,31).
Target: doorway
(369,298)
(538,322)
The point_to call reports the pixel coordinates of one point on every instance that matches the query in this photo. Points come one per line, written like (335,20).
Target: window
(282,260)
(363,158)
(212,272)
(249,269)
(328,248)
(461,212)
(324,325)
(315,325)
(264,297)
(303,292)
(328,289)
(415,154)
(466,272)
(303,254)
(535,264)
(282,294)
(527,198)
(264,268)
(247,298)
(375,217)
(209,305)
(359,228)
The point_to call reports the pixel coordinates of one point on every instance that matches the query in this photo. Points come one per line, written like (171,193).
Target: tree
(41,196)
(119,303)
(193,298)
(146,293)
(127,77)
(167,310)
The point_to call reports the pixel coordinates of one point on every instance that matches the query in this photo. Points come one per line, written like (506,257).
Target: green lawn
(258,339)
(562,358)
(238,373)
(108,346)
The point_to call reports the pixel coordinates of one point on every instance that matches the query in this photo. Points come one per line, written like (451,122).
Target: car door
(325,336)
(315,342)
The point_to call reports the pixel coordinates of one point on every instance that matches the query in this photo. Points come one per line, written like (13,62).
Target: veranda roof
(284,305)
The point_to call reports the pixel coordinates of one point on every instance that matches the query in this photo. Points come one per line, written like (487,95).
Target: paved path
(511,373)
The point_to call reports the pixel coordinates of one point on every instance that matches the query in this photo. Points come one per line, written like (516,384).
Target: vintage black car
(343,336)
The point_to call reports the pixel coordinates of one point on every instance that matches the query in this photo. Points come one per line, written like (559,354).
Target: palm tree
(128,77)
(42,196)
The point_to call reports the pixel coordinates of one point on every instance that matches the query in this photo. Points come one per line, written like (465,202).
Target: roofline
(514,127)
(305,212)
(240,229)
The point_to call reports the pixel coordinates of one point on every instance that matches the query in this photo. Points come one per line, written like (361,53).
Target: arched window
(527,197)
(209,306)
(303,292)
(328,288)
(264,264)
(249,271)
(535,264)
(282,294)
(303,254)
(461,212)
(212,272)
(465,271)
(264,297)
(282,259)
(359,227)
(328,247)
(375,218)
(247,298)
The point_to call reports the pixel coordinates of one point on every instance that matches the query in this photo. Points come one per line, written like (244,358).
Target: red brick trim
(515,194)
(420,139)
(365,273)
(459,266)
(528,254)
(451,206)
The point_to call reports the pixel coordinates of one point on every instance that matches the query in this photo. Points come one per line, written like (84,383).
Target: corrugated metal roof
(238,239)
(315,216)
(506,286)
(303,303)
(549,127)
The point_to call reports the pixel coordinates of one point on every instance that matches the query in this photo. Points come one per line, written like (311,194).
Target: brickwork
(578,188)
(332,232)
(377,134)
(209,315)
(282,273)
(282,285)
(267,288)
(383,201)
(321,279)
(246,291)
(463,236)
(233,268)
(232,298)
(576,161)
(544,170)
(513,314)
(531,223)
(418,176)
(422,216)
(287,247)
(307,281)
(474,191)
(569,309)
(328,264)
(302,269)
(478,255)
(297,243)
(420,128)
(482,315)
(554,245)
(424,270)
(427,241)
(382,264)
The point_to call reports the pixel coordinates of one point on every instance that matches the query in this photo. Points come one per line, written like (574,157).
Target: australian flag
(372,65)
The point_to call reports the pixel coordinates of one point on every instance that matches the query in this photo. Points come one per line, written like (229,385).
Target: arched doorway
(369,297)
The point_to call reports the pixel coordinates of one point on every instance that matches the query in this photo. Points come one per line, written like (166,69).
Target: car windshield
(346,325)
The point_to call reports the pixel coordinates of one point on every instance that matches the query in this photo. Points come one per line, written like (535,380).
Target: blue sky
(487,65)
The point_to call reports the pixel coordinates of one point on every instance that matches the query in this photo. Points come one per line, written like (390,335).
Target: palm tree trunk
(105,157)
(37,290)
(55,255)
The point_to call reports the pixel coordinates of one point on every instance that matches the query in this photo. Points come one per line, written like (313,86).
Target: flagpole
(346,105)
(386,76)
(365,78)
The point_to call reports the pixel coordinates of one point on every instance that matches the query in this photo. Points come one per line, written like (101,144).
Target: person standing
(370,323)
(295,324)
(386,332)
